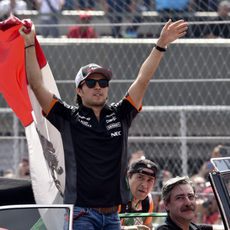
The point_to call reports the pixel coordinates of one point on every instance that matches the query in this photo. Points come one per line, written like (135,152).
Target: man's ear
(166,206)
(78,91)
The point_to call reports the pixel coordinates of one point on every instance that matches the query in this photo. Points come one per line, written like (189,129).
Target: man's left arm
(170,32)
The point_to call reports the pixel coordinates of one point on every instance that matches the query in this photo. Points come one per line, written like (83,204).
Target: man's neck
(96,109)
(136,204)
(97,112)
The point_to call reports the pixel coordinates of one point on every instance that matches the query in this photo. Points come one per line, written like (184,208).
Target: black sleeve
(60,113)
(126,110)
(205,227)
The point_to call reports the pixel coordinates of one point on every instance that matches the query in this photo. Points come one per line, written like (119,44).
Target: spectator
(164,176)
(49,12)
(220,30)
(211,214)
(199,183)
(174,10)
(178,195)
(207,166)
(8,173)
(69,5)
(147,5)
(216,152)
(141,179)
(86,4)
(116,10)
(84,31)
(95,133)
(31,4)
(135,156)
(24,168)
(137,7)
(204,5)
(8,7)
(205,169)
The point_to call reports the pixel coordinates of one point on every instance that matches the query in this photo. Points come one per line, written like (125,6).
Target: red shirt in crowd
(81,32)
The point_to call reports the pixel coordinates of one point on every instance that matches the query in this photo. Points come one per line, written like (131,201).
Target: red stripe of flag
(13,82)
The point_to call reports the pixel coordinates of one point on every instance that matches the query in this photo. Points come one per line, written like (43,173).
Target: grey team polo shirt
(95,151)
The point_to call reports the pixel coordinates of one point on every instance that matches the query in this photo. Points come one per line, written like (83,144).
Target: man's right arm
(33,71)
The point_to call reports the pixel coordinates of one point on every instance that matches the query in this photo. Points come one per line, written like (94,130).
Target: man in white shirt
(49,10)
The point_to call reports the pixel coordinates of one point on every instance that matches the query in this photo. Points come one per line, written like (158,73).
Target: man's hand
(171,31)
(27,31)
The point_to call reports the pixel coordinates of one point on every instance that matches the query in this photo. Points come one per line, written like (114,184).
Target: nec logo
(116,134)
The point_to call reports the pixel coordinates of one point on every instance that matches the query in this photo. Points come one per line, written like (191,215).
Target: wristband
(29,46)
(161,49)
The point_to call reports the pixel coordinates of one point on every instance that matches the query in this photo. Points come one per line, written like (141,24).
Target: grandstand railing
(99,17)
(101,13)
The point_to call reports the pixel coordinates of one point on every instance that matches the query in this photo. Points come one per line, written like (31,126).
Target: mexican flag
(45,147)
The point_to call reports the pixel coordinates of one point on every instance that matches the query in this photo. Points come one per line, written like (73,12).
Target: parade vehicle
(19,211)
(220,181)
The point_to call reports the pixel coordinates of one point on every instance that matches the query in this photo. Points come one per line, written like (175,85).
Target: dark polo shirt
(170,225)
(94,151)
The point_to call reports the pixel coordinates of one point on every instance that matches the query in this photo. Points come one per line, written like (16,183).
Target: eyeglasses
(91,83)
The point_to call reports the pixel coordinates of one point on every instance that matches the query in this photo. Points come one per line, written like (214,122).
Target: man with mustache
(178,195)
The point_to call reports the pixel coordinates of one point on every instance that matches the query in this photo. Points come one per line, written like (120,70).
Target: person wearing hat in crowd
(94,133)
(179,197)
(141,179)
(84,30)
(49,14)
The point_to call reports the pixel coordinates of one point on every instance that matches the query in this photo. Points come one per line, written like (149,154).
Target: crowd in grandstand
(132,12)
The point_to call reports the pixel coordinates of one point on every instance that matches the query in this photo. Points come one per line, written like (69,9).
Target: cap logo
(89,69)
(148,166)
(93,66)
(152,174)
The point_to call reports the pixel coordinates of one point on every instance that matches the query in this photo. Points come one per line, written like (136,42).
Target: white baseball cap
(89,69)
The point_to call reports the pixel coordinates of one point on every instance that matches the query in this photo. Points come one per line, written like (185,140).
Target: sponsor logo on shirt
(110,115)
(111,120)
(84,118)
(113,125)
(116,134)
(85,123)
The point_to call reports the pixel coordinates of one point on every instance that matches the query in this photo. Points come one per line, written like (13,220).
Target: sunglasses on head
(91,83)
(152,174)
